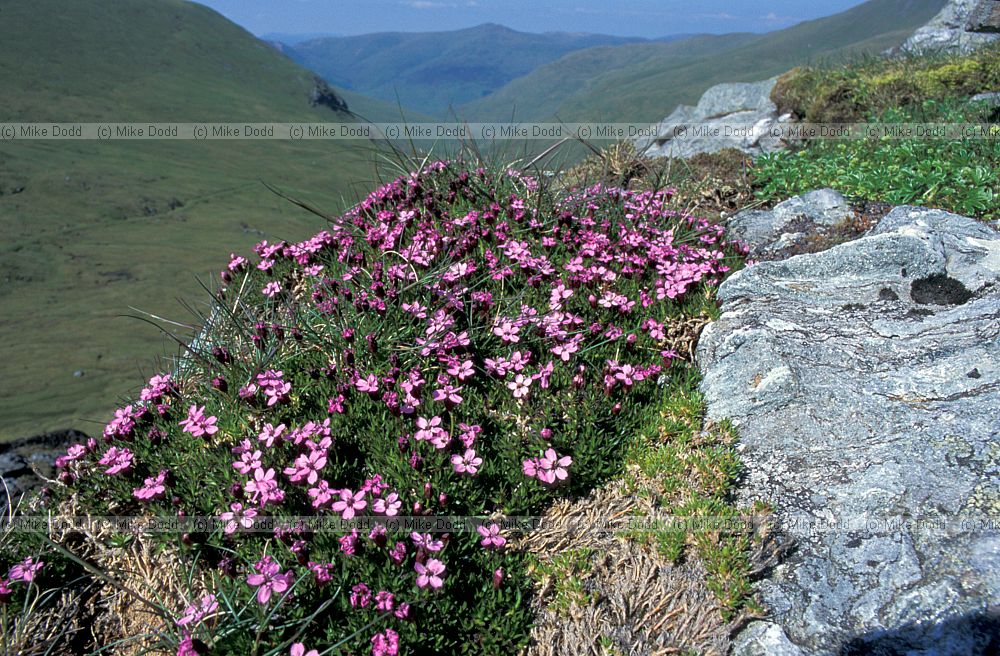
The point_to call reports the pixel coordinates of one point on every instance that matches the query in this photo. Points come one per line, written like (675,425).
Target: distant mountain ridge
(431,71)
(644,81)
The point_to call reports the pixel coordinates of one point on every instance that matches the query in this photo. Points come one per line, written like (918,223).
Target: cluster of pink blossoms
(550,468)
(198,424)
(589,318)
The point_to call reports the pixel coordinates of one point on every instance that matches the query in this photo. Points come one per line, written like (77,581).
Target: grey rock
(790,222)
(948,30)
(865,384)
(991,98)
(13,464)
(733,115)
(21,459)
(764,639)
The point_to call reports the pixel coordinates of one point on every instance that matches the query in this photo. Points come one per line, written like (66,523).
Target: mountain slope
(434,70)
(644,82)
(90,228)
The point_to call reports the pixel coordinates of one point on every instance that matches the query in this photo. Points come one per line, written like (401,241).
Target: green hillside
(90,228)
(644,82)
(433,71)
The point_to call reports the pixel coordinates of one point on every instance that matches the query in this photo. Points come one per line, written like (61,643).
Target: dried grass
(638,602)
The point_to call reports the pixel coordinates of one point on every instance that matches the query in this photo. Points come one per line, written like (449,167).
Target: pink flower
(263,488)
(519,386)
(197,423)
(158,387)
(25,570)
(196,613)
(384,601)
(430,429)
(299,649)
(491,536)
(236,262)
(322,572)
(349,503)
(188,647)
(449,395)
(271,289)
(552,467)
(361,596)
(269,579)
(321,495)
(388,506)
(398,553)
(275,388)
(430,574)
(153,487)
(237,518)
(248,462)
(122,424)
(75,452)
(566,350)
(467,463)
(469,434)
(270,434)
(507,332)
(119,459)
(385,643)
(349,542)
(425,542)
(307,467)
(463,371)
(368,385)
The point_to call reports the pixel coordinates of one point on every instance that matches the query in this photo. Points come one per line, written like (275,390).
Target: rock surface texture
(770,233)
(950,31)
(745,108)
(865,383)
(23,461)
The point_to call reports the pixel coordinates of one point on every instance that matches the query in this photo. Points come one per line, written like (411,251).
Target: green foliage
(695,469)
(869,87)
(565,573)
(956,175)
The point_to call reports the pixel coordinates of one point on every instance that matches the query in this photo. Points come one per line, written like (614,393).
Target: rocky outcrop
(21,462)
(961,26)
(737,115)
(325,95)
(865,384)
(771,233)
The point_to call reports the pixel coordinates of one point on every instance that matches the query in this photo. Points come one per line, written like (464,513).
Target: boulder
(743,111)
(865,384)
(789,224)
(958,27)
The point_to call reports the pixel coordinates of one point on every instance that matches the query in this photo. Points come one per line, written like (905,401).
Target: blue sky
(647,18)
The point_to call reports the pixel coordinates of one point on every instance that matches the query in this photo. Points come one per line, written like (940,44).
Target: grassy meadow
(91,228)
